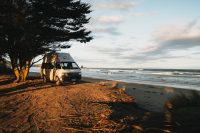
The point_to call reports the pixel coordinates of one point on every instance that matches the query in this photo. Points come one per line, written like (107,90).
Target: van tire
(58,81)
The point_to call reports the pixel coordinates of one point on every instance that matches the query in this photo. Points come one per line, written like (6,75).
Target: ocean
(185,79)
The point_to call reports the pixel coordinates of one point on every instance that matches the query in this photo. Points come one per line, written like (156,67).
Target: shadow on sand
(16,88)
(27,86)
(6,81)
(128,114)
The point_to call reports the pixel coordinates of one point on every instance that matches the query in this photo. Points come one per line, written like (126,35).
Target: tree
(29,28)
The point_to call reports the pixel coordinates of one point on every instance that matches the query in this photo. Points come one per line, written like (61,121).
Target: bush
(4,67)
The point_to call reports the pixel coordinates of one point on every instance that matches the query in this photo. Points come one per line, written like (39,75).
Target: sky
(141,34)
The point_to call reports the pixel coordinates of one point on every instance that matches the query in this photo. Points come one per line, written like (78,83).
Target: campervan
(60,67)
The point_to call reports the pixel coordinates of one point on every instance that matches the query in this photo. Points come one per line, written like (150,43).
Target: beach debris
(113,84)
(137,129)
(103,83)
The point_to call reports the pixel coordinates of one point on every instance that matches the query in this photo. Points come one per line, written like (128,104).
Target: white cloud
(109,19)
(108,30)
(116,5)
(170,42)
(137,14)
(175,32)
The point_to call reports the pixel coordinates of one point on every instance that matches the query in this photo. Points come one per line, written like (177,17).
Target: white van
(60,67)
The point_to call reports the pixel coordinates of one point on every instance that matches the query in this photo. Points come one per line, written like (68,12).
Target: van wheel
(44,79)
(58,81)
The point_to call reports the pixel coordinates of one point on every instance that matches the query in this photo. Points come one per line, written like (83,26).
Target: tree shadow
(25,87)
(6,81)
(130,114)
(28,86)
(125,113)
(121,110)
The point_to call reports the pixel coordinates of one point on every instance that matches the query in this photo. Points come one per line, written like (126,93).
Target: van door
(48,70)
(52,72)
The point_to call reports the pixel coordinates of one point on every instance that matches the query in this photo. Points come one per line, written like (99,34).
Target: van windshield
(67,65)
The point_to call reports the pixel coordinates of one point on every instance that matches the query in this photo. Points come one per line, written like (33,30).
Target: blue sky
(142,34)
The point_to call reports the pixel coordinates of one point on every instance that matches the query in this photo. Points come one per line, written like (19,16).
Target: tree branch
(35,62)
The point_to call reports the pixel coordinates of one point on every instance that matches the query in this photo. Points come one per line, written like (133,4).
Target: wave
(184,79)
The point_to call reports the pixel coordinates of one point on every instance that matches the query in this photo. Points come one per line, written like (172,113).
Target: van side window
(75,66)
(47,66)
(50,66)
(58,66)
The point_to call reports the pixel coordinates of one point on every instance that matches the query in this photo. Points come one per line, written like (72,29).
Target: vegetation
(29,28)
(4,67)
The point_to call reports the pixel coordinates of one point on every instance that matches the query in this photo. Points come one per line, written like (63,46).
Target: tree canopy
(29,28)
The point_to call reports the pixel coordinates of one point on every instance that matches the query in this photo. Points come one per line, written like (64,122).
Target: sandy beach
(149,97)
(33,106)
(93,105)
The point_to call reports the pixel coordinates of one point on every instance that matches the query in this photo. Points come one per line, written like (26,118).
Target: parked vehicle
(60,67)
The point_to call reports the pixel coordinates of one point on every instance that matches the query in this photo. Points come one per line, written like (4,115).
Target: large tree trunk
(24,70)
(16,73)
(21,68)
(15,67)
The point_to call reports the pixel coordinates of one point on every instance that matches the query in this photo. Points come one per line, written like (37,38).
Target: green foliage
(29,28)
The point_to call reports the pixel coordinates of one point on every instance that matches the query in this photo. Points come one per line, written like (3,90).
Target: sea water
(186,79)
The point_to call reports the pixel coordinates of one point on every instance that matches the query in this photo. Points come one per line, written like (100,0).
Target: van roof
(61,57)
(65,57)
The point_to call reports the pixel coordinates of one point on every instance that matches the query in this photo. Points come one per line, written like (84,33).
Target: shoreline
(149,97)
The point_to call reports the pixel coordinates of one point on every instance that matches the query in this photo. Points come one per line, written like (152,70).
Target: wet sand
(149,97)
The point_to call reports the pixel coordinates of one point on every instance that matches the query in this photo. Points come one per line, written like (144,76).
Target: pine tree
(29,28)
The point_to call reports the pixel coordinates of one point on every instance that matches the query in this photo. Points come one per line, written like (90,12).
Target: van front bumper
(71,77)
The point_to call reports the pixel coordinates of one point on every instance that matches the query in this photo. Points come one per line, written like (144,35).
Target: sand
(149,97)
(93,105)
(33,106)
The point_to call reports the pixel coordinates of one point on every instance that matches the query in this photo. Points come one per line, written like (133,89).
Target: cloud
(109,19)
(108,30)
(168,42)
(116,4)
(116,52)
(196,53)
(90,60)
(137,14)
(177,38)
